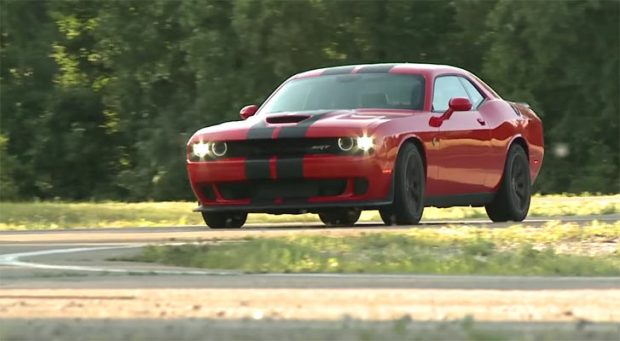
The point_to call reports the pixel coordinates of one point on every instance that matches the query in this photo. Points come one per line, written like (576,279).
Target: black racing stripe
(257,169)
(339,70)
(299,130)
(260,131)
(381,68)
(293,167)
(290,168)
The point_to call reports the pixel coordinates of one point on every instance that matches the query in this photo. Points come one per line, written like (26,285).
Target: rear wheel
(224,220)
(340,216)
(512,201)
(409,184)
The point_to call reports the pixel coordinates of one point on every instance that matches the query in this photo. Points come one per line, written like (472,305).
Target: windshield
(350,91)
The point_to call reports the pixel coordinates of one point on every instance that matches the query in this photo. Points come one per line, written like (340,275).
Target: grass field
(403,329)
(516,250)
(54,215)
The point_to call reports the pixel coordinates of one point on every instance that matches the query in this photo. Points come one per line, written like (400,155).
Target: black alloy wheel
(340,216)
(225,220)
(512,201)
(409,184)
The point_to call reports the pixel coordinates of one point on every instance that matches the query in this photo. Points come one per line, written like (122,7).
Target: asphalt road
(46,259)
(63,284)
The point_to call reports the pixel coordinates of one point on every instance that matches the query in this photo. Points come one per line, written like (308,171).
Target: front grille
(282,147)
(268,190)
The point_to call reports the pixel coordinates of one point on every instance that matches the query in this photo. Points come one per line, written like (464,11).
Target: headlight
(345,143)
(364,143)
(219,148)
(200,149)
(356,144)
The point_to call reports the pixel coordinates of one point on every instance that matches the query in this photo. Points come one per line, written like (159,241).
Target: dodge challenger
(388,137)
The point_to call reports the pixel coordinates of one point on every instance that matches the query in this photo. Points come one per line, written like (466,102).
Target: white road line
(13,259)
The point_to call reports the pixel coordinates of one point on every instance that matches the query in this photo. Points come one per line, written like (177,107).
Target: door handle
(481,121)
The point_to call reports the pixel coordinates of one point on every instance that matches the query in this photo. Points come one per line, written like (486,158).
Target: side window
(474,95)
(446,88)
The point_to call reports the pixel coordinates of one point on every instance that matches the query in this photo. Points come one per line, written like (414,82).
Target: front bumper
(292,185)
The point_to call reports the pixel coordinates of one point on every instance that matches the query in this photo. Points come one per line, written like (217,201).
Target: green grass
(405,329)
(516,250)
(53,215)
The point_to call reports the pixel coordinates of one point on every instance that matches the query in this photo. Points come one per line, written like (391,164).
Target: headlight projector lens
(345,143)
(219,148)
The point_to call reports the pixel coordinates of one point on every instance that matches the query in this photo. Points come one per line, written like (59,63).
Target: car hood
(303,124)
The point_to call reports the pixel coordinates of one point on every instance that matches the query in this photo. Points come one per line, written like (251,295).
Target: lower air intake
(285,189)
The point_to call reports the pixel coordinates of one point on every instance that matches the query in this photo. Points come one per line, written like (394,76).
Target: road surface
(64,276)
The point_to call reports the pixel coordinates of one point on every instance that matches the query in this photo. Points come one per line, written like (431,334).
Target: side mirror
(460,104)
(248,111)
(455,104)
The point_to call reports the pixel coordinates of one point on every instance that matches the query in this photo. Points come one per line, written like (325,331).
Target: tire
(224,220)
(409,183)
(512,201)
(340,216)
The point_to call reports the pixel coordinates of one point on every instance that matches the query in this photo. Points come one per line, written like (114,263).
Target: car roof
(429,70)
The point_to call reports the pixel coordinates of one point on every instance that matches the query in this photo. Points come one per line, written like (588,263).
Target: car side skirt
(474,199)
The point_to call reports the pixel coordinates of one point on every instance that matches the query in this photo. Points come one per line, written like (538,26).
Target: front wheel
(224,220)
(512,201)
(409,182)
(340,216)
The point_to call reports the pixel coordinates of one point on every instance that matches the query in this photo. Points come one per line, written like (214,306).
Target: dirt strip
(315,304)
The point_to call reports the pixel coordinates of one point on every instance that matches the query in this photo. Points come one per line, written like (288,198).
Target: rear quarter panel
(508,122)
(533,133)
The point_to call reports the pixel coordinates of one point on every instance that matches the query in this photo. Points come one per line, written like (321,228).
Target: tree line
(98,98)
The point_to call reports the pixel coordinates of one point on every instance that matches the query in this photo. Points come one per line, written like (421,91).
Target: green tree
(98,98)
(562,58)
(151,90)
(8,188)
(26,73)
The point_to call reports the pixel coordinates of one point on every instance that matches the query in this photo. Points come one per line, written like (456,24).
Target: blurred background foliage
(99,97)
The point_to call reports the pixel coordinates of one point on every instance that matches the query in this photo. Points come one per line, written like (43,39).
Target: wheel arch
(519,140)
(417,142)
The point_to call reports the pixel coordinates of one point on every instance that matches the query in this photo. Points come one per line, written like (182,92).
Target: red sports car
(388,137)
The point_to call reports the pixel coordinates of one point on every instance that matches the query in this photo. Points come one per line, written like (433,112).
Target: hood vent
(286,119)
